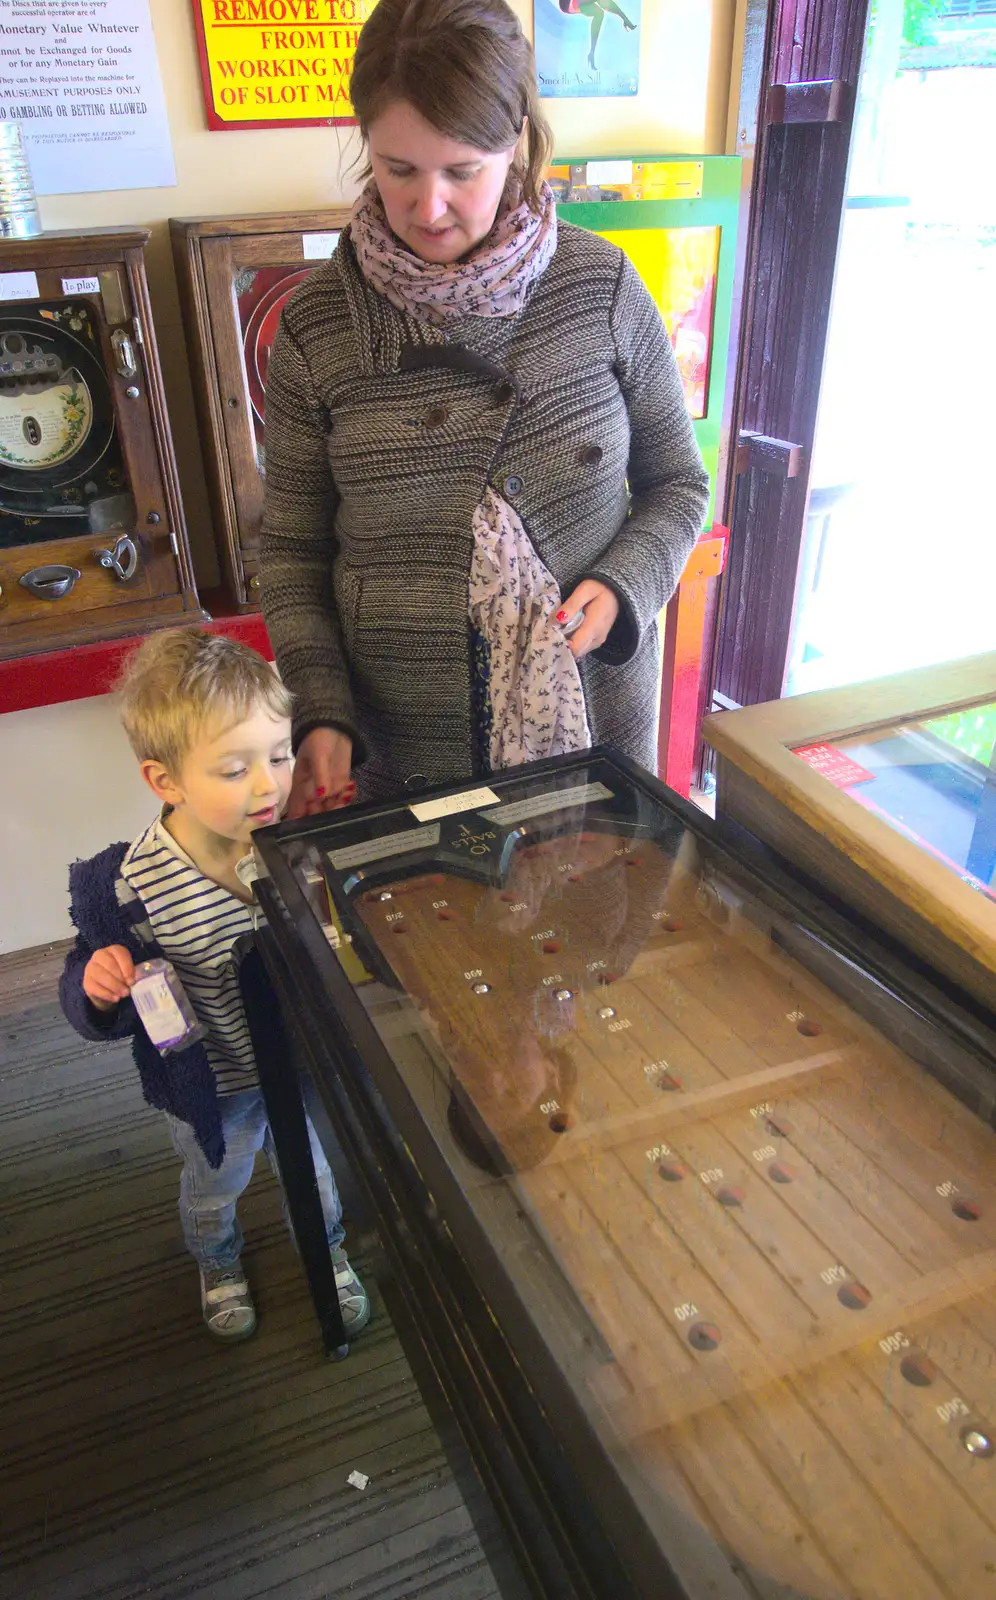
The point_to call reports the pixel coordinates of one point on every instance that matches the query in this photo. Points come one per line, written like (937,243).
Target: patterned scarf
(493,282)
(535,691)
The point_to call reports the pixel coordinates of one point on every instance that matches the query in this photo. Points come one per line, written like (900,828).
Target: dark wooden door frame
(798,89)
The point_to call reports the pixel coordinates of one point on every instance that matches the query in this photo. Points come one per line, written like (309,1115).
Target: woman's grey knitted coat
(381,435)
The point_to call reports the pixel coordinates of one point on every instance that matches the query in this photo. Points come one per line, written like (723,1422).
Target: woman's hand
(108,977)
(321,773)
(600,607)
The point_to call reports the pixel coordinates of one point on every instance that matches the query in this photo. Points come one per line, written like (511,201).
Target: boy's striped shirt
(195,922)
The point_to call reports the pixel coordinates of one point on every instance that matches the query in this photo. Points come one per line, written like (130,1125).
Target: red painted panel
(92,669)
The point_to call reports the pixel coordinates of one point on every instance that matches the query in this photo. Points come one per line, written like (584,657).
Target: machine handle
(123,559)
(50,583)
(124,353)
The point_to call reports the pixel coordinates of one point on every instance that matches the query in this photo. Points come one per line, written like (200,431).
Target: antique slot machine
(234,275)
(721,1171)
(92,537)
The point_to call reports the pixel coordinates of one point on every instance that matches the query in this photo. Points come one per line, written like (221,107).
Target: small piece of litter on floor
(359,1480)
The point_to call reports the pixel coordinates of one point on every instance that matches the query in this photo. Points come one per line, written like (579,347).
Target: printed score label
(452,804)
(275,63)
(833,765)
(318,246)
(18,286)
(81,285)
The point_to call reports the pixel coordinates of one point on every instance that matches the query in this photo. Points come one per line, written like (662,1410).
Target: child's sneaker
(353,1301)
(226,1303)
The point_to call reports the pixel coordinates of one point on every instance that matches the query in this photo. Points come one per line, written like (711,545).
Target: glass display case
(885,793)
(722,1175)
(92,535)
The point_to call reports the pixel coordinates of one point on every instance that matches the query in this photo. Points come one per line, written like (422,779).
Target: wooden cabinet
(883,793)
(234,276)
(92,538)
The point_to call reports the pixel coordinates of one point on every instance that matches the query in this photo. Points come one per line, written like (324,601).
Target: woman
(475,434)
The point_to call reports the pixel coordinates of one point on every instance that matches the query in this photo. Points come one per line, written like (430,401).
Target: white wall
(71,786)
(70,781)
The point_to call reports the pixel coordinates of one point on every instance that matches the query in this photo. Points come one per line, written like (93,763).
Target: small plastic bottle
(163,1008)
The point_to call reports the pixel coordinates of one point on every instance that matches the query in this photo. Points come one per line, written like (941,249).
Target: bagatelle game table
(693,1194)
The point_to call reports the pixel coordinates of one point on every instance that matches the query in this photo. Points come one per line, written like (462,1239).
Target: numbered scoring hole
(966,1210)
(704,1336)
(854,1295)
(730,1196)
(672,1171)
(808,1028)
(781,1172)
(918,1369)
(667,1082)
(552,947)
(779,1126)
(560,1122)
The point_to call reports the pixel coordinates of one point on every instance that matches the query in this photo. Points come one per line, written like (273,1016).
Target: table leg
(281,1088)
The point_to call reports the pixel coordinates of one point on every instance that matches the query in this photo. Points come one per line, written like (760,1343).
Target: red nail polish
(319,792)
(561,616)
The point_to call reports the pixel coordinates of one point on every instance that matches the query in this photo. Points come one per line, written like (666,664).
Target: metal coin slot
(50,583)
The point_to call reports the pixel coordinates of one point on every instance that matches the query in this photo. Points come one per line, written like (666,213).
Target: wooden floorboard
(137,1456)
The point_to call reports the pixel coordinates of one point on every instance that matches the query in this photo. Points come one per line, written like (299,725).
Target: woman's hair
(178,682)
(466,67)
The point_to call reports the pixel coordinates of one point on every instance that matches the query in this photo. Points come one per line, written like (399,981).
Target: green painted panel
(718,207)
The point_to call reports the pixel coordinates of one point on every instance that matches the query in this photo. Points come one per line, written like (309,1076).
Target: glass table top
(933,781)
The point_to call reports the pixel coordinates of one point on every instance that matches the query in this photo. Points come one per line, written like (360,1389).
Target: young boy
(210,724)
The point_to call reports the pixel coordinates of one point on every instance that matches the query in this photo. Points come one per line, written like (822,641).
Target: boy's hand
(321,773)
(108,977)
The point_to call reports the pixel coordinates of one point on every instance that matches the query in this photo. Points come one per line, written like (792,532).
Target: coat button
(435,416)
(418,780)
(590,455)
(513,484)
(504,394)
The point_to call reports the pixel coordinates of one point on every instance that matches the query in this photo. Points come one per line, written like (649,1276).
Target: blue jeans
(208,1196)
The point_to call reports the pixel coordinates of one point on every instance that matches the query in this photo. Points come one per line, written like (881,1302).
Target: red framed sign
(278,63)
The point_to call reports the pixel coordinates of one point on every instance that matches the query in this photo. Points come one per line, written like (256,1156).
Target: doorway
(862,534)
(898,556)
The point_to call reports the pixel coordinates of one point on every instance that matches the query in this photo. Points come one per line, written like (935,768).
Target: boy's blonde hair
(177,682)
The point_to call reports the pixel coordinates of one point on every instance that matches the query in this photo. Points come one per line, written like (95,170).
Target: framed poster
(587,48)
(278,63)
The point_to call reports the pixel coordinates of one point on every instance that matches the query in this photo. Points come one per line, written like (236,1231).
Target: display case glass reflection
(932,780)
(765,1186)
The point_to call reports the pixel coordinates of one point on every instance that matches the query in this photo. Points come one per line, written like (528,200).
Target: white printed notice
(81,78)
